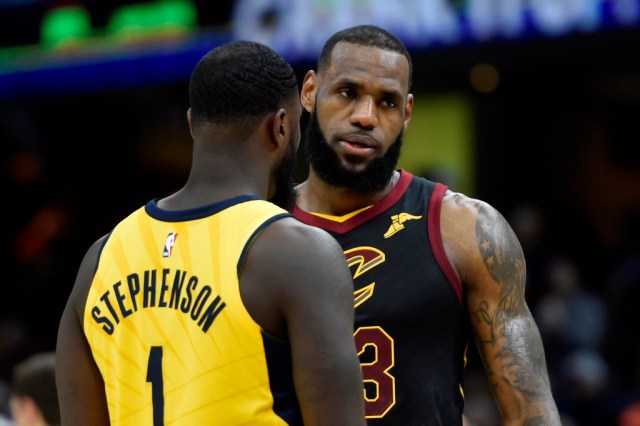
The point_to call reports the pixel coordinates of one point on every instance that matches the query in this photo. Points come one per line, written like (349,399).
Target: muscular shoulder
(290,240)
(477,238)
(466,211)
(462,216)
(292,264)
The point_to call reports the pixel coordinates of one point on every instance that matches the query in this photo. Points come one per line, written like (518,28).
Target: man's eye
(347,93)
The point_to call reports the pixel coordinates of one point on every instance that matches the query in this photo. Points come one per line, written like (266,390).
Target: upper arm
(489,259)
(296,284)
(78,380)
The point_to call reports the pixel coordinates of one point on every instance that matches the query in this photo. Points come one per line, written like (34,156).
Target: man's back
(164,316)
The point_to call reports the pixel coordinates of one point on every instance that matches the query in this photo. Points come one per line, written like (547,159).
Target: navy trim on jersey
(285,401)
(259,229)
(156,212)
(95,268)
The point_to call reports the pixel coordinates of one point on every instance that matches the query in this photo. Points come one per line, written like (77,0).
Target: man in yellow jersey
(213,306)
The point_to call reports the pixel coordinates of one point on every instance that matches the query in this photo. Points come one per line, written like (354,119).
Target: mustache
(327,166)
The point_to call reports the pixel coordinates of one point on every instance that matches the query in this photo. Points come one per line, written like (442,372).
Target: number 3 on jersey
(374,345)
(379,385)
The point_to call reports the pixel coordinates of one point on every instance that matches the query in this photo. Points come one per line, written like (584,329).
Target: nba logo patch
(169,243)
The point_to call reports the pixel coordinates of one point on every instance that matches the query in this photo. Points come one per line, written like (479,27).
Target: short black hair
(365,35)
(240,82)
(35,377)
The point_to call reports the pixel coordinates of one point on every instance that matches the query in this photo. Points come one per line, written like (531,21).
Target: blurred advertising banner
(298,28)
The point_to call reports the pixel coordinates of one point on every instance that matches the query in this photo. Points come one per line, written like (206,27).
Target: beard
(284,194)
(326,164)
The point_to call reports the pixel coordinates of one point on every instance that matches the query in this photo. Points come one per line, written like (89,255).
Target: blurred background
(532,106)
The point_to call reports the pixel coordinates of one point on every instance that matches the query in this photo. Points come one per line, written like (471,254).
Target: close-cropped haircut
(364,35)
(240,82)
(35,378)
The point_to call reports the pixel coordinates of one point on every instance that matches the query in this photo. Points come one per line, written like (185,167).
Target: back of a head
(239,83)
(35,378)
(364,35)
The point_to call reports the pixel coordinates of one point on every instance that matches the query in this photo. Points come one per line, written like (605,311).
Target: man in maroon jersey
(433,269)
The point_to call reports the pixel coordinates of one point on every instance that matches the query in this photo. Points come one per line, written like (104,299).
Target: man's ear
(308,92)
(189,121)
(25,409)
(31,408)
(408,109)
(279,129)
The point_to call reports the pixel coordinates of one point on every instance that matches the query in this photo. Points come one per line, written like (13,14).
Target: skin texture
(25,412)
(294,283)
(362,103)
(487,256)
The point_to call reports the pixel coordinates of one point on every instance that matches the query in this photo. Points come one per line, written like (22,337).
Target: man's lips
(357,145)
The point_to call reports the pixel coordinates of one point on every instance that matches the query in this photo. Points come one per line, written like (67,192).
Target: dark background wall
(556,143)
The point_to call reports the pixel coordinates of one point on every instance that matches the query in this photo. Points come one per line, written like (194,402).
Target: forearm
(515,364)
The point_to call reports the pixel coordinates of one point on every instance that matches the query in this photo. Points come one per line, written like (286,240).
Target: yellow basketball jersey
(168,329)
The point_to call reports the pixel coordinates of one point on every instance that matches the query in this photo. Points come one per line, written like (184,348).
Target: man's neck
(317,196)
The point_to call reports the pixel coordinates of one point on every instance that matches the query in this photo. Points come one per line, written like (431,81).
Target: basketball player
(433,269)
(213,306)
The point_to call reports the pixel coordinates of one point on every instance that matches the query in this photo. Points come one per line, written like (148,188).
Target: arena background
(531,106)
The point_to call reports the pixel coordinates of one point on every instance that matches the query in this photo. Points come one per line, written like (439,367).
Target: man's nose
(365,113)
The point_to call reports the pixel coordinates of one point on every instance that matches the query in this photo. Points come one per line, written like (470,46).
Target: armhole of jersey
(435,238)
(251,239)
(87,291)
(95,268)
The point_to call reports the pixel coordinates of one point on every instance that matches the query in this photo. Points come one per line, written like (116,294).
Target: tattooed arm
(488,257)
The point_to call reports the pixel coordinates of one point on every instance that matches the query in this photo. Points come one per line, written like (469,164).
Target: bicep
(317,303)
(311,287)
(487,256)
(78,380)
(505,332)
(320,325)
(495,276)
(79,384)
(320,306)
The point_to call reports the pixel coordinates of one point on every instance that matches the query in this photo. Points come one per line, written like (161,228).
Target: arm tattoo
(509,324)
(504,259)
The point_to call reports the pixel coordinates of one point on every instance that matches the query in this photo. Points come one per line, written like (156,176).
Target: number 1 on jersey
(154,376)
